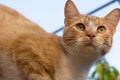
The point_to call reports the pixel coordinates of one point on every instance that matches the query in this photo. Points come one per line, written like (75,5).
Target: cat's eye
(101,29)
(80,26)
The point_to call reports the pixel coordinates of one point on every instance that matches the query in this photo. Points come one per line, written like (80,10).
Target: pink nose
(90,36)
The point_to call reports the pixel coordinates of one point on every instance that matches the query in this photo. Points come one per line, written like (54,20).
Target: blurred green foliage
(104,71)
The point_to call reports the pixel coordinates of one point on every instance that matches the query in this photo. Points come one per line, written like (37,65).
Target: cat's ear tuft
(70,10)
(113,17)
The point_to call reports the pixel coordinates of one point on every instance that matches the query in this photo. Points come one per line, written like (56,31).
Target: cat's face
(88,33)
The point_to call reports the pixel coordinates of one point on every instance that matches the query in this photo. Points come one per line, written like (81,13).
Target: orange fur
(30,53)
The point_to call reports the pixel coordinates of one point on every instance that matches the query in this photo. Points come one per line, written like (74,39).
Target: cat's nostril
(91,36)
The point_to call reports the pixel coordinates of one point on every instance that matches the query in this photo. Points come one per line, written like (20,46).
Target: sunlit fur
(27,52)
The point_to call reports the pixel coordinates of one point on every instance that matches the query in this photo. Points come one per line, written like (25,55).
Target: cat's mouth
(90,45)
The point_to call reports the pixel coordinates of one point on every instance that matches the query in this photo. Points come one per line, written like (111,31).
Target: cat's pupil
(80,26)
(101,29)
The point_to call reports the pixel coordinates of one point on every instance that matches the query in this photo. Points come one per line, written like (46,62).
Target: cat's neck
(79,65)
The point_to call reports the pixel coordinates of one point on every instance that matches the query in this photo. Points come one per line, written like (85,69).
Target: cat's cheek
(97,41)
(104,47)
(105,50)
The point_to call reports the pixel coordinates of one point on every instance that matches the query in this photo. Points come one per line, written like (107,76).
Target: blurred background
(49,14)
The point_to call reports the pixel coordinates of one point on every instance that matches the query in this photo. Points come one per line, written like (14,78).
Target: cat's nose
(91,36)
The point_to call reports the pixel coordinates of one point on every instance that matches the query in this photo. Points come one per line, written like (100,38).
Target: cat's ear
(70,11)
(113,17)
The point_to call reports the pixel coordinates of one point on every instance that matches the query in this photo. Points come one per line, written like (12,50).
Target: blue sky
(49,14)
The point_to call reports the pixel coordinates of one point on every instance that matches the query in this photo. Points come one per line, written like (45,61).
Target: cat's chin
(89,47)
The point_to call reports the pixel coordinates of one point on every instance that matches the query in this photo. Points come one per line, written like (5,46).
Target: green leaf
(93,74)
(107,77)
(116,73)
(99,69)
(106,66)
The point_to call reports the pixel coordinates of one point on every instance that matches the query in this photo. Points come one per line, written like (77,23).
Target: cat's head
(89,34)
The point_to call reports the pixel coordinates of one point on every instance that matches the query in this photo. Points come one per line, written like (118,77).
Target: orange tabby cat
(27,52)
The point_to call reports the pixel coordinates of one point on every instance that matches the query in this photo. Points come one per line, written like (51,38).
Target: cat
(27,52)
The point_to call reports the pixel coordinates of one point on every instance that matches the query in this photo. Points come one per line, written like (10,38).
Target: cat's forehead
(91,20)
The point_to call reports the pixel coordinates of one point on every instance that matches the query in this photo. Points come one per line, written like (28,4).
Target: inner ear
(113,17)
(70,11)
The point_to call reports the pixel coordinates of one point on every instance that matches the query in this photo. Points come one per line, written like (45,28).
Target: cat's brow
(92,20)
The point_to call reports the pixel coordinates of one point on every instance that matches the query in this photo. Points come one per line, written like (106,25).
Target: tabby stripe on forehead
(87,19)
